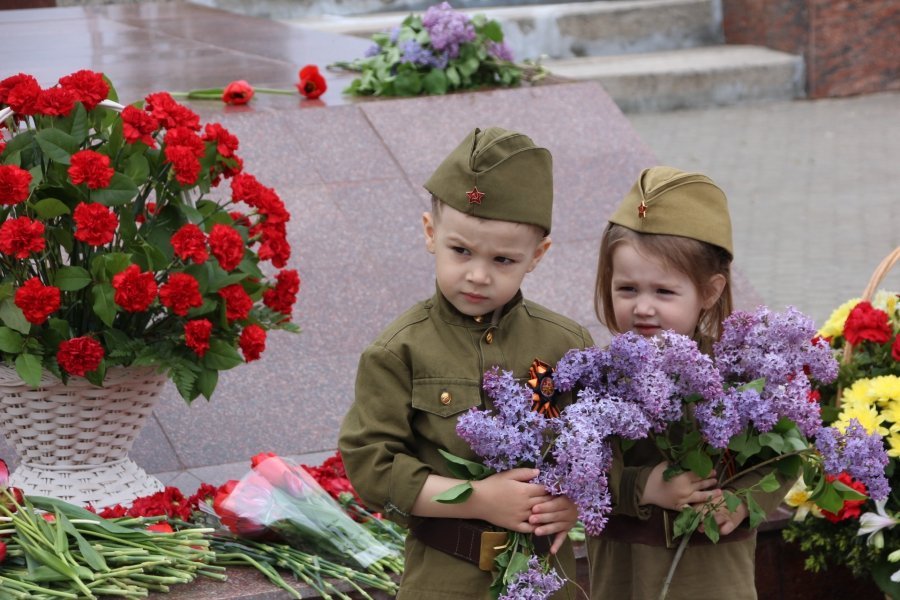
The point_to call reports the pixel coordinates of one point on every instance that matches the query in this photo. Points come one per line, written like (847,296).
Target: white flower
(873,524)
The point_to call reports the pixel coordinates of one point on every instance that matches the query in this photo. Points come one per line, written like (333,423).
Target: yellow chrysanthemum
(834,326)
(885,389)
(861,393)
(893,441)
(867,415)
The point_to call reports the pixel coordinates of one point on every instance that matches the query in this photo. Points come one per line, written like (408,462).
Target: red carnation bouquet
(132,235)
(279,499)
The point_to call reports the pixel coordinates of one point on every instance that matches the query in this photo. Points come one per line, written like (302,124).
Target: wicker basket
(877,277)
(73,439)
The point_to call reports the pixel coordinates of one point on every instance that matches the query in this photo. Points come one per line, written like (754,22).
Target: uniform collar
(448,313)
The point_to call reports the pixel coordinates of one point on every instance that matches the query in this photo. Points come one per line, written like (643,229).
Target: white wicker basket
(73,439)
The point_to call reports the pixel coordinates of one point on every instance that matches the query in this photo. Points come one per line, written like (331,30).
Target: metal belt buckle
(492,542)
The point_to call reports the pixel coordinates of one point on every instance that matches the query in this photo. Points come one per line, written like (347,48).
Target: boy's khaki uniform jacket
(413,382)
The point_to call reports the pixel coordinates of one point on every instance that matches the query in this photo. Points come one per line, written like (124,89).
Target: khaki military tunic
(413,382)
(622,569)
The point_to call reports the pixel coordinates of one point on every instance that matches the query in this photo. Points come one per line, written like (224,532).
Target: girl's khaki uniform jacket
(413,382)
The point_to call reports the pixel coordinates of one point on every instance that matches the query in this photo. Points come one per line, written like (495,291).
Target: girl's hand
(682,490)
(727,521)
(555,515)
(506,499)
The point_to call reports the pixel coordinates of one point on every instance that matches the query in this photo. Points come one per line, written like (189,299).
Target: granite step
(691,77)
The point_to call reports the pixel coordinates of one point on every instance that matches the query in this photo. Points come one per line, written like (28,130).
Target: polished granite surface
(351,174)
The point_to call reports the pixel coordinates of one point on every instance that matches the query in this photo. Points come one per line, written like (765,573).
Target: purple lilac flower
(499,50)
(860,453)
(512,434)
(372,50)
(723,418)
(533,583)
(581,368)
(395,34)
(414,53)
(447,28)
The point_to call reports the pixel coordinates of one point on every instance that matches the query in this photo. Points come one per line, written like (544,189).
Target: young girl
(664,263)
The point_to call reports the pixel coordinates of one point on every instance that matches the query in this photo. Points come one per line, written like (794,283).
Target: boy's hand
(682,490)
(554,515)
(506,499)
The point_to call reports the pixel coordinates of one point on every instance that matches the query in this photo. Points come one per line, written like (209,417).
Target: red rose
(91,168)
(226,143)
(252,342)
(312,84)
(95,224)
(181,293)
(21,236)
(281,475)
(196,335)
(259,457)
(161,527)
(37,301)
(227,246)
(88,87)
(56,102)
(169,113)
(851,508)
(867,323)
(189,243)
(245,188)
(237,302)
(237,92)
(14,182)
(21,92)
(138,126)
(79,355)
(135,291)
(282,297)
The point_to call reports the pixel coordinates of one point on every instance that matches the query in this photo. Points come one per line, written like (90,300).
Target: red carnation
(189,243)
(312,84)
(867,323)
(282,297)
(181,293)
(196,335)
(37,301)
(895,349)
(91,168)
(138,126)
(95,224)
(252,342)
(113,512)
(79,355)
(135,291)
(21,236)
(21,92)
(851,508)
(205,492)
(169,113)
(239,219)
(226,142)
(245,188)
(185,164)
(272,207)
(14,182)
(2,146)
(274,245)
(237,302)
(227,246)
(237,92)
(88,87)
(56,102)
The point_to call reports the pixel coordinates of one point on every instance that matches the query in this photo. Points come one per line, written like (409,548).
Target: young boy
(491,209)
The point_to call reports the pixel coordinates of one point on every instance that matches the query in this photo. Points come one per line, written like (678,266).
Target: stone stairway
(649,55)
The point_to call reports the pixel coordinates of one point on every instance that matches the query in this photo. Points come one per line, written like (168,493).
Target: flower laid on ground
(120,245)
(441,51)
(746,408)
(311,84)
(866,396)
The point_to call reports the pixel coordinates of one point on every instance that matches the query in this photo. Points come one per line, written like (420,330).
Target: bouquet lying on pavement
(280,500)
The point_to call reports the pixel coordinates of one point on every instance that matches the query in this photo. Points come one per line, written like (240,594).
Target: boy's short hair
(497,174)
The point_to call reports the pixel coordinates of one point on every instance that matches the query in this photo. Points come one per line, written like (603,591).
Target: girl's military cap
(497,174)
(665,200)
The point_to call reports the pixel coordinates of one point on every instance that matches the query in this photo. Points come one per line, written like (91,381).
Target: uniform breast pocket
(445,397)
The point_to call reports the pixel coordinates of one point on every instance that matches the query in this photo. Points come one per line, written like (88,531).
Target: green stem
(682,546)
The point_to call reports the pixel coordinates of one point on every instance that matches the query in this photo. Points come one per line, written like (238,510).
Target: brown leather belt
(477,542)
(658,531)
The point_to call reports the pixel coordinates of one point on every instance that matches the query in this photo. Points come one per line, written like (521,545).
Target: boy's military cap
(497,174)
(665,200)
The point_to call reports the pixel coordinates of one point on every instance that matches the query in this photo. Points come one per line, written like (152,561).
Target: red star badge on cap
(474,196)
(642,210)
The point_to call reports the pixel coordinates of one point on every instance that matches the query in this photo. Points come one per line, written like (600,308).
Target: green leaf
(464,468)
(847,492)
(452,76)
(789,466)
(455,495)
(493,31)
(221,356)
(76,512)
(121,190)
(49,208)
(71,279)
(732,502)
(58,145)
(773,441)
(518,563)
(156,259)
(687,521)
(185,380)
(408,83)
(769,483)
(756,385)
(10,340)
(137,168)
(698,461)
(80,125)
(28,366)
(207,381)
(435,82)
(13,317)
(757,514)
(104,303)
(104,266)
(711,528)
